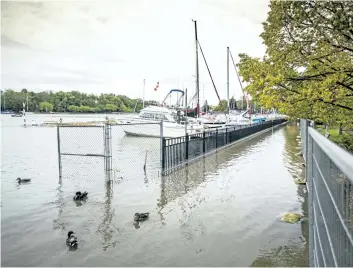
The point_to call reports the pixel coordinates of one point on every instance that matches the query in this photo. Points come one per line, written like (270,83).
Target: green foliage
(73,101)
(222,106)
(46,106)
(345,140)
(307,71)
(111,107)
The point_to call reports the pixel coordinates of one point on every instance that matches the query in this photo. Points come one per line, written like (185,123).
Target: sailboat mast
(203,94)
(228,108)
(143,93)
(242,89)
(197,71)
(27,102)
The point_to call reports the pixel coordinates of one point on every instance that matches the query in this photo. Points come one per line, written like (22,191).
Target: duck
(71,239)
(141,216)
(80,196)
(23,180)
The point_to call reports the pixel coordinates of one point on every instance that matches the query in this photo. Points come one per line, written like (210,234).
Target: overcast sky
(111,46)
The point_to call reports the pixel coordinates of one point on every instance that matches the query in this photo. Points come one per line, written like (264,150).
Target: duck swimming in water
(80,196)
(71,240)
(141,216)
(23,180)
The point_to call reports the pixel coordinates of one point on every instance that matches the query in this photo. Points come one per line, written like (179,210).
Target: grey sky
(110,46)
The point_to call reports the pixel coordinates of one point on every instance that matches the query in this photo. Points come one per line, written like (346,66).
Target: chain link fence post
(59,151)
(107,151)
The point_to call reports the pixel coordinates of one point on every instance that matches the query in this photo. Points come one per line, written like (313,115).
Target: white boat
(213,121)
(238,120)
(155,114)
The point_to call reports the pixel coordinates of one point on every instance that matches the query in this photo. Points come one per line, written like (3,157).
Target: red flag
(156,87)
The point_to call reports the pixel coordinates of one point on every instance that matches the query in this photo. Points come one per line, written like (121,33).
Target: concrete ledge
(191,161)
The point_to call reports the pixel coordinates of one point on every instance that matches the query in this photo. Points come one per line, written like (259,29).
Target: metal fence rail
(329,170)
(178,151)
(304,132)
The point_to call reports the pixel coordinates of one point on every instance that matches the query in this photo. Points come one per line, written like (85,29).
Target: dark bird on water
(80,196)
(141,216)
(71,240)
(23,180)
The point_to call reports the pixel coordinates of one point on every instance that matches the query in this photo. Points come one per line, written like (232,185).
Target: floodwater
(224,210)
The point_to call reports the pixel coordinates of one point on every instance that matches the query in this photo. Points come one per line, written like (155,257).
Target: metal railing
(329,172)
(177,152)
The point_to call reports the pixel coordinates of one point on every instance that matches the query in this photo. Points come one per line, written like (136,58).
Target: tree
(222,106)
(73,108)
(73,101)
(111,107)
(46,106)
(308,67)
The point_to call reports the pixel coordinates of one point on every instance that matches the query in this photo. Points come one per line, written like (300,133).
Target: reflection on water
(223,210)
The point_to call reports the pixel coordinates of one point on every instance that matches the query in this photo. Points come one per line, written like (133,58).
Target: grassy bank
(345,140)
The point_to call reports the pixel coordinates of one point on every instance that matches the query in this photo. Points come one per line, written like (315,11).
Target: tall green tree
(46,106)
(308,67)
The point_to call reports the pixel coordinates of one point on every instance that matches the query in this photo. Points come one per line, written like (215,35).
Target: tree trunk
(340,130)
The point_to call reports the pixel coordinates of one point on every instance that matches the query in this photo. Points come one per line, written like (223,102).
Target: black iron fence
(178,151)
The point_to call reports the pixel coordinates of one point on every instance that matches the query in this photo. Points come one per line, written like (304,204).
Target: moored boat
(146,124)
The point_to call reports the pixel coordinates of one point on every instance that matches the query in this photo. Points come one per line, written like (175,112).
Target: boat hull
(153,130)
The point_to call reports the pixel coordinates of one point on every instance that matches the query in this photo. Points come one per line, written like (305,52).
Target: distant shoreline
(39,113)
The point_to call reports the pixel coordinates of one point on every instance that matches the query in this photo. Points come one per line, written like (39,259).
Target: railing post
(186,147)
(162,149)
(59,150)
(216,138)
(226,136)
(163,152)
(204,142)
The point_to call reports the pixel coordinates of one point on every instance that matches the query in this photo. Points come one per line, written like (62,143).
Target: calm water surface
(224,210)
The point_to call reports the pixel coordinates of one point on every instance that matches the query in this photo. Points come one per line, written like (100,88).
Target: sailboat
(210,121)
(236,119)
(155,114)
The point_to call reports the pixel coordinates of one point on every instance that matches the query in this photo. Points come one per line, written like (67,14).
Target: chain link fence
(329,170)
(81,151)
(124,151)
(136,151)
